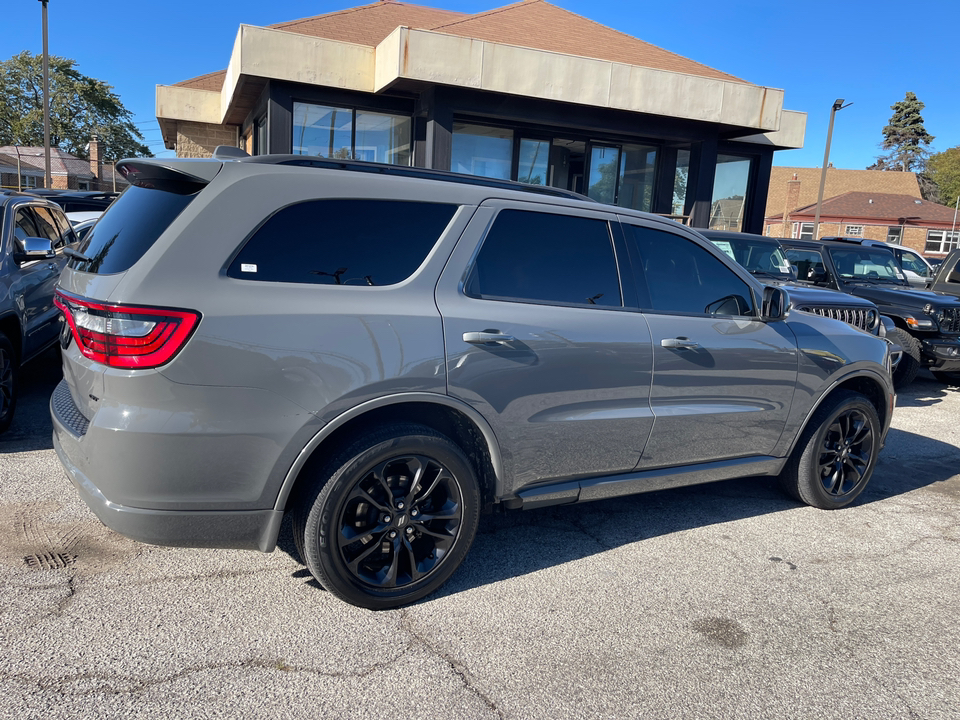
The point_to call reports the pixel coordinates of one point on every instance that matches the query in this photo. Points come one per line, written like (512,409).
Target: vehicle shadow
(518,543)
(32,428)
(924,391)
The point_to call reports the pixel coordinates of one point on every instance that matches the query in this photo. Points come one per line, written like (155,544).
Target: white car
(83,220)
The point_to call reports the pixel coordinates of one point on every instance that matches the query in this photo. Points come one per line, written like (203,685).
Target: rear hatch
(99,331)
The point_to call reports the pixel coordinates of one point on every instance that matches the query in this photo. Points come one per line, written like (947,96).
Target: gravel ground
(720,601)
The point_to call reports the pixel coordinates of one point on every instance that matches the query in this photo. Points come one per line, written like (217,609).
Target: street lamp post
(46,102)
(838,105)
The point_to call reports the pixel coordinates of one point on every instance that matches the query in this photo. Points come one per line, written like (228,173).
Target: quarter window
(343,242)
(682,277)
(546,258)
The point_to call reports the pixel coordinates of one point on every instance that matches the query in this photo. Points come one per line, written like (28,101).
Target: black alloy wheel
(391,518)
(9,376)
(836,453)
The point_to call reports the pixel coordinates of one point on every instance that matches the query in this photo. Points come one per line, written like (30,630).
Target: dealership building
(528,92)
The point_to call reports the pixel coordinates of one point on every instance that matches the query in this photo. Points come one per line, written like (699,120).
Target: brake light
(126,336)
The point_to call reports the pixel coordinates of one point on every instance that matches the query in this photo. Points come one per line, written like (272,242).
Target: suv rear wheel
(9,382)
(835,456)
(909,364)
(391,518)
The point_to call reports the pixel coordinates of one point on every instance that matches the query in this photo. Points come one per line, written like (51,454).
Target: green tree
(944,169)
(905,137)
(80,107)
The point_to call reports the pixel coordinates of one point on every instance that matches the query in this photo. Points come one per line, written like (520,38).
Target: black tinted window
(128,229)
(809,264)
(683,277)
(343,242)
(542,257)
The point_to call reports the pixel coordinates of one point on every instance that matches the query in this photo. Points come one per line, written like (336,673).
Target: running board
(611,486)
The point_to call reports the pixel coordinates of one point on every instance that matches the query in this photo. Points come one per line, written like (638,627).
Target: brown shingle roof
(540,25)
(531,23)
(61,162)
(887,207)
(838,182)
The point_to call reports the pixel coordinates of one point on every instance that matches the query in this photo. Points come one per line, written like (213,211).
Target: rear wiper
(76,254)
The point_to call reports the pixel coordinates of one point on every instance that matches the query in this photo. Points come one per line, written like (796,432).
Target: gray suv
(384,353)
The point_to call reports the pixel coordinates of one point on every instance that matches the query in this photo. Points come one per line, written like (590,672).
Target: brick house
(527,92)
(904,219)
(22,168)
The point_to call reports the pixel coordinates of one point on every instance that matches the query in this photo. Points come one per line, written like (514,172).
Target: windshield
(867,264)
(757,256)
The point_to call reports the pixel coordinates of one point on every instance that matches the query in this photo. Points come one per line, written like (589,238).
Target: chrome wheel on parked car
(393,521)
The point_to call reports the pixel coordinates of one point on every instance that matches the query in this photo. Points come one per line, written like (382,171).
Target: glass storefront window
(729,192)
(322,130)
(534,161)
(382,138)
(481,150)
(603,173)
(680,182)
(637,166)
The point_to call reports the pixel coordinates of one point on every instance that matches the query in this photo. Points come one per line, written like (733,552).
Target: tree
(905,137)
(80,107)
(944,169)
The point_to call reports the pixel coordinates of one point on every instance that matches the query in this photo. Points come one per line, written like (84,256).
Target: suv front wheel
(909,365)
(835,456)
(391,518)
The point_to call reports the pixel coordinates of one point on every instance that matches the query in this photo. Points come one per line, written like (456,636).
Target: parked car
(917,269)
(382,352)
(79,200)
(83,221)
(765,258)
(927,323)
(33,235)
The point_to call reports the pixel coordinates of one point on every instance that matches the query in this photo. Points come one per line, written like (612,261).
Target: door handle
(487,336)
(679,343)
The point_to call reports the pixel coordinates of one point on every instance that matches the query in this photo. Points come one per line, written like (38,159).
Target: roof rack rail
(413,172)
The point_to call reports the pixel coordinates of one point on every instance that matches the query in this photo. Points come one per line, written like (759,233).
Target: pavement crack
(456,667)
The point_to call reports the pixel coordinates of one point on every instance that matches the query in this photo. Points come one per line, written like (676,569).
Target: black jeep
(927,322)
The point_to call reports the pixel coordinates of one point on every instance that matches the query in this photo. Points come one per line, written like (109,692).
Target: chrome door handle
(487,336)
(680,343)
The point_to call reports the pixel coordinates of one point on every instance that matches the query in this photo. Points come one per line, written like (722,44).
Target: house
(904,219)
(527,91)
(23,168)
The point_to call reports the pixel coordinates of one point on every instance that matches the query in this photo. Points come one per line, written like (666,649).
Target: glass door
(622,175)
(603,173)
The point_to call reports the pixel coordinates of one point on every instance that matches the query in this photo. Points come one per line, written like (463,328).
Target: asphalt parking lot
(720,601)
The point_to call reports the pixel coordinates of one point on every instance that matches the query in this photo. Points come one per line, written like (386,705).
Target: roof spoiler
(169,175)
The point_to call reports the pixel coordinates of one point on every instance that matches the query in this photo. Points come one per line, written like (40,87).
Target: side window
(683,277)
(911,262)
(47,226)
(343,242)
(547,258)
(809,264)
(24,227)
(56,224)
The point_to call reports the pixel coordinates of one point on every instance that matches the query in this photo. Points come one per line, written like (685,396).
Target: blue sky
(869,52)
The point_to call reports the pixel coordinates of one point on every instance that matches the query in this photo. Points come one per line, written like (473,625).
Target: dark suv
(928,323)
(33,235)
(383,352)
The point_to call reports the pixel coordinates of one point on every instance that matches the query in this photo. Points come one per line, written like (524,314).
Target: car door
(723,381)
(38,278)
(538,340)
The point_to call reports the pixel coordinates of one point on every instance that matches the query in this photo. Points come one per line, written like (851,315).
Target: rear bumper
(241,530)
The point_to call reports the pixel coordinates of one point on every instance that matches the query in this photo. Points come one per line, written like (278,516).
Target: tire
(836,453)
(909,365)
(373,533)
(9,382)
(947,378)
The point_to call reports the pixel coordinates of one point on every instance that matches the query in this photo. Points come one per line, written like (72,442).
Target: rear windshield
(128,228)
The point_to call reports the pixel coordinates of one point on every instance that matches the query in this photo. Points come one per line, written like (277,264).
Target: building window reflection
(482,150)
(350,134)
(730,192)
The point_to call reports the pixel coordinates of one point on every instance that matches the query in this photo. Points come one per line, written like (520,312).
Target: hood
(905,295)
(810,295)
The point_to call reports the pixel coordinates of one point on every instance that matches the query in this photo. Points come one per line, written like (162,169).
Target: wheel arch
(10,326)
(448,416)
(867,384)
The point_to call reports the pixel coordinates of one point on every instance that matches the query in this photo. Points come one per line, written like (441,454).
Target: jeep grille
(949,320)
(863,318)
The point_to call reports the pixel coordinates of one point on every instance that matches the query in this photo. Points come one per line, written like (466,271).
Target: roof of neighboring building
(530,23)
(838,181)
(61,162)
(894,208)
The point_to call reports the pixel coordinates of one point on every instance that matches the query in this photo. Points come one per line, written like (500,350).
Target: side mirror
(775,305)
(35,248)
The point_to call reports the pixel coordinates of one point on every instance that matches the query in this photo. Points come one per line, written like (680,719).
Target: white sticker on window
(248,267)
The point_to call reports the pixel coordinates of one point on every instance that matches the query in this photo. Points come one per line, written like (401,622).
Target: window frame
(853,231)
(353,109)
(948,241)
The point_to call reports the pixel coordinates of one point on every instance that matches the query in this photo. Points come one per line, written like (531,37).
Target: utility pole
(838,105)
(47,176)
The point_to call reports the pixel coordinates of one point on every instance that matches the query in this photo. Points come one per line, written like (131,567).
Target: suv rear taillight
(126,336)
